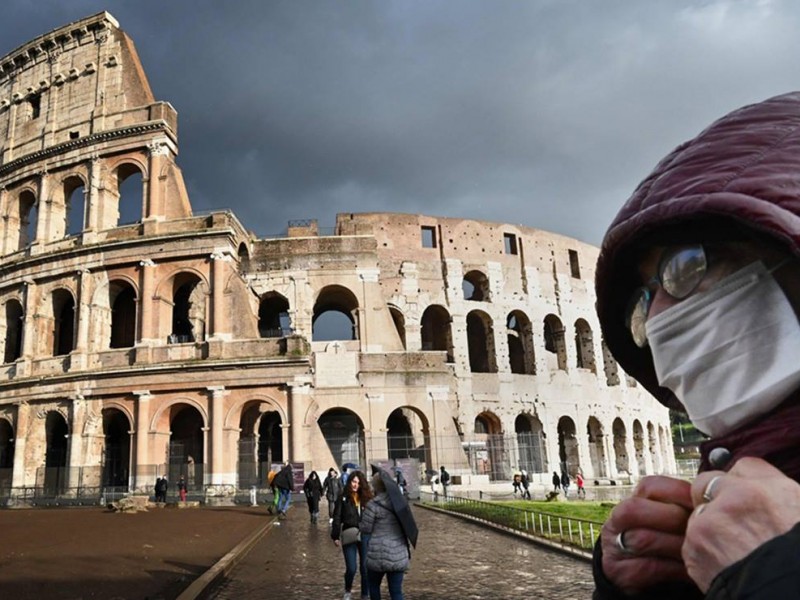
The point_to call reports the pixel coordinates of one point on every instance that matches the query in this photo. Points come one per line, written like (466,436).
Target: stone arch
(621,460)
(530,443)
(335,315)
(186,452)
(638,447)
(122,301)
(260,441)
(489,454)
(63,330)
(343,431)
(475,286)
(74,193)
(54,478)
(584,345)
(568,446)
(160,421)
(12,330)
(399,320)
(117,427)
(21,219)
(130,203)
(243,254)
(519,335)
(554,343)
(6,453)
(436,331)
(597,448)
(273,316)
(408,435)
(189,296)
(480,340)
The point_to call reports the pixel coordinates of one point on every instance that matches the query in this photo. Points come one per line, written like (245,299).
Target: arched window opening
(123,315)
(610,366)
(408,439)
(6,455)
(480,339)
(244,257)
(399,323)
(597,447)
(186,448)
(568,446)
(54,481)
(554,341)
(399,436)
(270,442)
(530,443)
(475,287)
(436,332)
(487,451)
(344,433)
(131,194)
(273,316)
(188,310)
(621,461)
(63,323)
(335,315)
(28,217)
(117,454)
(75,198)
(519,335)
(584,344)
(14,321)
(260,444)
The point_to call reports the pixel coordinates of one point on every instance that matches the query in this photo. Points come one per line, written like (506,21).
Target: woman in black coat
(347,515)
(312,488)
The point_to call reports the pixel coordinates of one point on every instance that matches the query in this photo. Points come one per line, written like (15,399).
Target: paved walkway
(454,560)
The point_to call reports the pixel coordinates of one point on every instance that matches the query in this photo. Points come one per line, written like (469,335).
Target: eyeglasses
(680,271)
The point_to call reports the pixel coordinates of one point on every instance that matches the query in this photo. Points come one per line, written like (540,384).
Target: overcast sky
(545,113)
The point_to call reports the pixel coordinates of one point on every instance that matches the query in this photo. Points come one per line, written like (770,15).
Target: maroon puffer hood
(745,167)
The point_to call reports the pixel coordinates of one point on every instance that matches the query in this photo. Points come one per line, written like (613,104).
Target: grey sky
(544,113)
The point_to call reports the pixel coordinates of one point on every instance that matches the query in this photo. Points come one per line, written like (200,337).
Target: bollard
(253,496)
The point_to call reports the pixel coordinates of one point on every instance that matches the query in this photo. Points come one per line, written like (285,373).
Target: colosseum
(142,339)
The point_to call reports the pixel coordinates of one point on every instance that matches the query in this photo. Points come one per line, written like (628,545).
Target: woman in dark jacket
(698,296)
(312,488)
(346,516)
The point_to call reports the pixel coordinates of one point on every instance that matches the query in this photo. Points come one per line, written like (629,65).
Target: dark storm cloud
(542,113)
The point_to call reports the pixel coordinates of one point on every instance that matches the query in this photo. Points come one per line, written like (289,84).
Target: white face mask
(729,354)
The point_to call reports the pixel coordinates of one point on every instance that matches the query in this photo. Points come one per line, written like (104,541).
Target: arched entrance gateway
(6,456)
(53,480)
(621,462)
(530,444)
(344,434)
(260,444)
(487,452)
(186,452)
(117,453)
(568,446)
(597,447)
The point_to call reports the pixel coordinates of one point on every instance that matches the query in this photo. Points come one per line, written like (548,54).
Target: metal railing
(568,532)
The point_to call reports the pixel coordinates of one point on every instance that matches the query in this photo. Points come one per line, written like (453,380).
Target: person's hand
(336,542)
(749,505)
(652,523)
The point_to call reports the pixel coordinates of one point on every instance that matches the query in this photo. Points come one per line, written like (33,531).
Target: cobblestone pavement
(454,560)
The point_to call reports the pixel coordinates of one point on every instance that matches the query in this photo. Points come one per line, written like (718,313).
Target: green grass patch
(591,511)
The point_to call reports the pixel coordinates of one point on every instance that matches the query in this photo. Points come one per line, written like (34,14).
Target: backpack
(445,478)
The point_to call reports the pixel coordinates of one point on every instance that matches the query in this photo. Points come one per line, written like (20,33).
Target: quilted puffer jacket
(388,547)
(745,168)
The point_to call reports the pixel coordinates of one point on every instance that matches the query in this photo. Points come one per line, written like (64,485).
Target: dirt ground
(82,553)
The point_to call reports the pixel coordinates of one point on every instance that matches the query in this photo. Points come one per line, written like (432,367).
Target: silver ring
(621,544)
(708,493)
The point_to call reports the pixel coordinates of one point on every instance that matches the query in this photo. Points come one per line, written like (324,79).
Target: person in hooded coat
(284,483)
(698,296)
(312,488)
(332,487)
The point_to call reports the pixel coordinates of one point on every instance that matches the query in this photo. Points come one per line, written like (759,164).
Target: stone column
(4,210)
(18,479)
(30,300)
(298,403)
(83,316)
(584,455)
(76,426)
(220,325)
(218,474)
(141,426)
(146,330)
(154,193)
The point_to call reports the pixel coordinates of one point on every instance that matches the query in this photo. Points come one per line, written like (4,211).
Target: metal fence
(568,532)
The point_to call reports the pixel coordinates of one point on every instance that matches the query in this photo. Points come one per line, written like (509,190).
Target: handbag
(351,535)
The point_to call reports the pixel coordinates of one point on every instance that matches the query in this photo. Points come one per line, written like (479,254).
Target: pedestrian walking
(516,482)
(400,479)
(579,483)
(273,506)
(565,483)
(388,552)
(556,482)
(182,488)
(157,489)
(523,478)
(345,531)
(332,487)
(312,488)
(284,482)
(444,478)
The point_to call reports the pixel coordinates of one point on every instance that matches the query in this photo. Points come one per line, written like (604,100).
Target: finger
(637,574)
(754,468)
(665,489)
(648,542)
(643,513)
(707,485)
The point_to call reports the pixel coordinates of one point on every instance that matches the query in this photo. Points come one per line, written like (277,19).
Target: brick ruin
(140,339)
